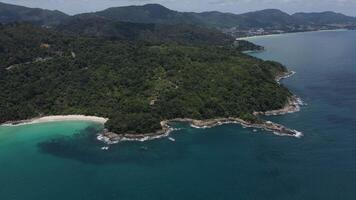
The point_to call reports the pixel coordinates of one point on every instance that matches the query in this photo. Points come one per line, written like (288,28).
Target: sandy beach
(57,118)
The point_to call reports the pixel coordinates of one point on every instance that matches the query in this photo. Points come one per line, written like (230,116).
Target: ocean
(63,160)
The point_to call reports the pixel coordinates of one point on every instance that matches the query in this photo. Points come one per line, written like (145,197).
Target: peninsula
(138,87)
(293,105)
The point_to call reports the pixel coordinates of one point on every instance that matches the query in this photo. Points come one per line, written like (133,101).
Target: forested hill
(323,18)
(149,13)
(136,85)
(269,18)
(23,43)
(93,25)
(97,26)
(29,49)
(13,13)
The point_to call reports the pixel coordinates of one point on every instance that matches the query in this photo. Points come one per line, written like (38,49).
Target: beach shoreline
(56,118)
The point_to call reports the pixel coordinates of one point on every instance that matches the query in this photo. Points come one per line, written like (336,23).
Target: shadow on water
(84,147)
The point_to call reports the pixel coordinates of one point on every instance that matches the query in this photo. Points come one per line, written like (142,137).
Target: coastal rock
(278,129)
(285,75)
(292,106)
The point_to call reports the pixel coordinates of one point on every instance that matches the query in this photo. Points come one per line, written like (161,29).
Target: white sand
(57,118)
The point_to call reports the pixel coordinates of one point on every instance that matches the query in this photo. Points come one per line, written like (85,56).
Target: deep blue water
(64,161)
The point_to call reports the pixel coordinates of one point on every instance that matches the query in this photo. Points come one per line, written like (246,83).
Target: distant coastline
(287,33)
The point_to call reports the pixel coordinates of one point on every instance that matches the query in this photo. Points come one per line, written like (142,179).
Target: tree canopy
(135,85)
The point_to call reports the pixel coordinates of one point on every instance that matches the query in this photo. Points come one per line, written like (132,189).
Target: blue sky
(235,6)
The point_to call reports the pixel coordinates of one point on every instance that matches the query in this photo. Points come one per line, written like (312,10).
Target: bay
(62,160)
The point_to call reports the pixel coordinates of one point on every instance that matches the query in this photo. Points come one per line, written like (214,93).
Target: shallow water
(62,160)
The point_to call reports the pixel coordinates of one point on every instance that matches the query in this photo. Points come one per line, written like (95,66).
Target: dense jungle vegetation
(134,84)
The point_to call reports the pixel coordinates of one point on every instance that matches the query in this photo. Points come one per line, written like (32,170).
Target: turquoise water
(62,160)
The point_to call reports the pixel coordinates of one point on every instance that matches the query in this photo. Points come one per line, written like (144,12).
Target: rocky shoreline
(285,75)
(278,129)
(293,105)
(114,138)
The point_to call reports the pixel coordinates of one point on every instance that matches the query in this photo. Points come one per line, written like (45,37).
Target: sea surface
(62,160)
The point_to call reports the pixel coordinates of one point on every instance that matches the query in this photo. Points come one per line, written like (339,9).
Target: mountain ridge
(159,14)
(14,13)
(156,13)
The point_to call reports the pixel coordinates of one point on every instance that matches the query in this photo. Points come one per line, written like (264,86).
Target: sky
(234,6)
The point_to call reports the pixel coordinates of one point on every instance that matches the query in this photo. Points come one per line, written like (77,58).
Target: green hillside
(136,85)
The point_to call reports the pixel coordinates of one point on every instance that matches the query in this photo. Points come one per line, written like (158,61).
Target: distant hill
(13,13)
(97,26)
(257,19)
(266,18)
(149,13)
(155,23)
(155,13)
(158,14)
(323,18)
